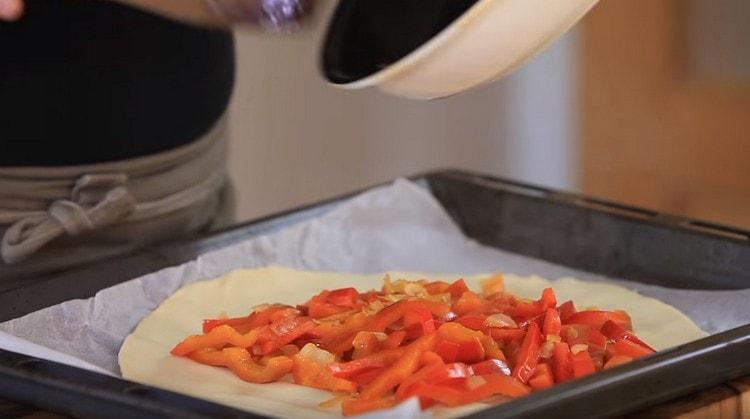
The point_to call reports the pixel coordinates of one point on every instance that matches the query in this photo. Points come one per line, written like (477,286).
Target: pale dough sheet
(145,357)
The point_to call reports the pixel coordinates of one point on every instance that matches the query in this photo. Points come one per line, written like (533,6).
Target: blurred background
(647,102)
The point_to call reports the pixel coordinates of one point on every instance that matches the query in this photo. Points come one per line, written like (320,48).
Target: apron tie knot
(96,201)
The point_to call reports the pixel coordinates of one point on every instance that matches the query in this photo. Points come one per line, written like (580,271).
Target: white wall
(296,140)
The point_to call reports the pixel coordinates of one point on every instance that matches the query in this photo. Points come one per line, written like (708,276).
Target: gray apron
(52,218)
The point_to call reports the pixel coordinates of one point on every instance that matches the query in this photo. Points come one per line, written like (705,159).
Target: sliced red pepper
(617,360)
(392,376)
(552,323)
(562,361)
(628,348)
(365,343)
(490,366)
(548,300)
(542,377)
(473,322)
(614,331)
(596,340)
(506,335)
(566,309)
(241,363)
(467,303)
(396,312)
(217,338)
(451,396)
(597,318)
(583,365)
(458,333)
(286,331)
(254,320)
(309,373)
(448,350)
(437,287)
(524,310)
(457,288)
(320,310)
(528,355)
(421,317)
(366,377)
(471,351)
(376,360)
(394,340)
(344,297)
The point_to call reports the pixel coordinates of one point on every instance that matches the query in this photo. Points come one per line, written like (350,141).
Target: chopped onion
(320,356)
(553,339)
(474,382)
(500,320)
(414,289)
(580,347)
(546,349)
(380,335)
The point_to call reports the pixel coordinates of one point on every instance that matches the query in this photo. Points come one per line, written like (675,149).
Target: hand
(10,10)
(273,14)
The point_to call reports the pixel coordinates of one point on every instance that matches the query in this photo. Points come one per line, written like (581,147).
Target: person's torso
(86,81)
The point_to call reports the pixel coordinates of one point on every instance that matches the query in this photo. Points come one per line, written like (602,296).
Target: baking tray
(568,229)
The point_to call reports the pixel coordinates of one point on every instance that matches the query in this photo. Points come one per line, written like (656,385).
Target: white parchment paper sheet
(396,227)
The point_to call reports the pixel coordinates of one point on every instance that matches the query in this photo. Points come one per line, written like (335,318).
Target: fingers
(11,10)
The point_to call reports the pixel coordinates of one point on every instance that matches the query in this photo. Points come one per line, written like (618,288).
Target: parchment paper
(396,227)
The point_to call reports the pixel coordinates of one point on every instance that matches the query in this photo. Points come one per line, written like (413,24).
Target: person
(113,123)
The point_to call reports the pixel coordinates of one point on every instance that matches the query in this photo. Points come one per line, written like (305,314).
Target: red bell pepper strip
(451,396)
(617,360)
(455,332)
(528,355)
(321,310)
(256,319)
(473,322)
(436,287)
(241,363)
(566,309)
(506,335)
(471,351)
(394,340)
(583,365)
(562,361)
(467,303)
(628,348)
(548,300)
(376,360)
(457,288)
(400,370)
(344,297)
(217,338)
(422,317)
(213,357)
(285,331)
(542,377)
(365,343)
(448,350)
(597,318)
(614,331)
(596,340)
(552,323)
(309,373)
(396,312)
(524,310)
(490,366)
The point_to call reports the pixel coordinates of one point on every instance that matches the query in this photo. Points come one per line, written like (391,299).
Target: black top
(84,81)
